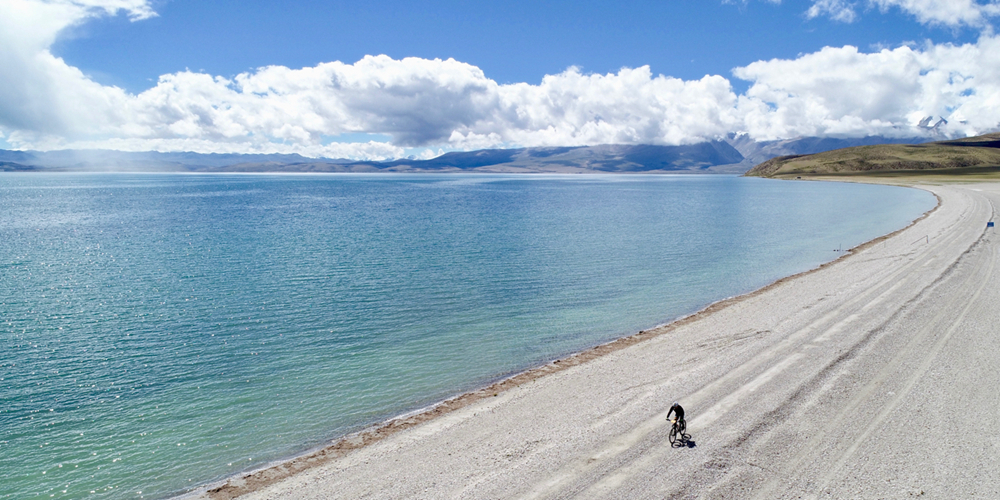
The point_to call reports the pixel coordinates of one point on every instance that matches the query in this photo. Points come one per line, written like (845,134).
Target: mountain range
(734,154)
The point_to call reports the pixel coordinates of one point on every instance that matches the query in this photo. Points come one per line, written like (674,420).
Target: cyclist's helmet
(676,403)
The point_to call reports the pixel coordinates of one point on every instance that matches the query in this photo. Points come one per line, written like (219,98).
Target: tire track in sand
(760,370)
(811,450)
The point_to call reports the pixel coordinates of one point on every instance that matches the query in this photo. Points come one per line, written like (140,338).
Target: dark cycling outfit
(677,410)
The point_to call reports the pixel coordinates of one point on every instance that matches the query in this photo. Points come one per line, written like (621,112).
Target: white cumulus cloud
(949,13)
(424,105)
(838,10)
(40,92)
(842,91)
(953,13)
(417,102)
(631,106)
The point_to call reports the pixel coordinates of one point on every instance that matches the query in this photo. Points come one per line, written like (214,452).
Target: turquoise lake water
(161,331)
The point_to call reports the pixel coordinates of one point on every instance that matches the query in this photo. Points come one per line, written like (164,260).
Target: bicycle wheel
(673,434)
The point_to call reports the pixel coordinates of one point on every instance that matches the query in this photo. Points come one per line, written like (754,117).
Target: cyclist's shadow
(684,442)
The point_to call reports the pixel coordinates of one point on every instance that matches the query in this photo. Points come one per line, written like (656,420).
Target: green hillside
(972,156)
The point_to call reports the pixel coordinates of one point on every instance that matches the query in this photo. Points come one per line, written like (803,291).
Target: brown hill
(970,154)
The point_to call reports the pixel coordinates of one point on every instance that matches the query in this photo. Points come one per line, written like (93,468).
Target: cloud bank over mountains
(46,103)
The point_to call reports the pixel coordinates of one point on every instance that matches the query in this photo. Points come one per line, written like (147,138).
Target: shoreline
(257,479)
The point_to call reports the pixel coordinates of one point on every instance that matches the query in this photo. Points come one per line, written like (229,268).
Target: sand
(874,376)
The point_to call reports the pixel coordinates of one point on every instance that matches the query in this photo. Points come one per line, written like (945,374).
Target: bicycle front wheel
(673,434)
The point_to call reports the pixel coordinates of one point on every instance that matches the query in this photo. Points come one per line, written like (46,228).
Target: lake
(158,331)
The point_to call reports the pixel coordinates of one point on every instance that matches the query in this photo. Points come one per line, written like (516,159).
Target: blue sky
(186,75)
(511,41)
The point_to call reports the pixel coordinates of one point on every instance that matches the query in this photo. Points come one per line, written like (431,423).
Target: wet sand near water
(874,376)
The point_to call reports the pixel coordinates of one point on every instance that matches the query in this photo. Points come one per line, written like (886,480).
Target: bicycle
(677,431)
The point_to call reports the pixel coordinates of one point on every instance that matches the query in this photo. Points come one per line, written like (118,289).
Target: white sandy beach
(873,377)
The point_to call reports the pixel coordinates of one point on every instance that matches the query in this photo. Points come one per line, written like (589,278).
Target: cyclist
(679,411)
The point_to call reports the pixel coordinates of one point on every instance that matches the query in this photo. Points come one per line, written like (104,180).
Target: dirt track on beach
(873,377)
